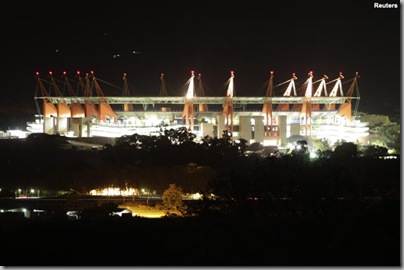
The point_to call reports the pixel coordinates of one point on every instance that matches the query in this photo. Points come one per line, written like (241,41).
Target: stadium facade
(317,113)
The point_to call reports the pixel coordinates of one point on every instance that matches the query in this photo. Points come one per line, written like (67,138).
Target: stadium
(317,109)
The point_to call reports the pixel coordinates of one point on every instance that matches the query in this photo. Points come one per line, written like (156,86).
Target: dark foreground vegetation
(337,234)
(340,209)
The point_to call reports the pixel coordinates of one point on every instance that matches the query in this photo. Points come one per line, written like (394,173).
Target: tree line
(210,165)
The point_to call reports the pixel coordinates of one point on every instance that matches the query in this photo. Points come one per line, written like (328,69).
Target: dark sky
(213,38)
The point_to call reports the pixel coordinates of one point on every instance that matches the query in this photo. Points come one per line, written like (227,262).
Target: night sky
(251,38)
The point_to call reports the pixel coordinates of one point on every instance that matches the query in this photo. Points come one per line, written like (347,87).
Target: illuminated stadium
(316,113)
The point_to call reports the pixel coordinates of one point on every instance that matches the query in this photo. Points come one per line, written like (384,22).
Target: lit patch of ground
(144,210)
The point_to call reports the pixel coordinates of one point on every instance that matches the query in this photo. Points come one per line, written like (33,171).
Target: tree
(322,144)
(301,148)
(255,147)
(172,200)
(388,136)
(386,133)
(346,150)
(374,151)
(180,135)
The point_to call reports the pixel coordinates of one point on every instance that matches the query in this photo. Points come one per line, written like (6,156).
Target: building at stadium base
(317,113)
